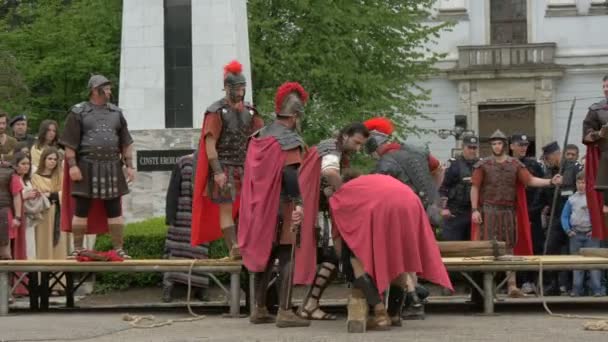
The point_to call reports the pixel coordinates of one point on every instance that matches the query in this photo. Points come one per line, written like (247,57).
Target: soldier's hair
(605,78)
(572,147)
(4,115)
(354,128)
(580,175)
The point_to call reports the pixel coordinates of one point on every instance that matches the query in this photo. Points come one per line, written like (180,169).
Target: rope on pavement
(135,320)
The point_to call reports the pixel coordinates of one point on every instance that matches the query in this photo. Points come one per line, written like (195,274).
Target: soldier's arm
(127,155)
(330,170)
(476,181)
(211,133)
(591,127)
(387,166)
(126,142)
(524,176)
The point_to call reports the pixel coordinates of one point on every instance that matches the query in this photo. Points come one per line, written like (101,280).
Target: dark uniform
(28,138)
(455,192)
(558,240)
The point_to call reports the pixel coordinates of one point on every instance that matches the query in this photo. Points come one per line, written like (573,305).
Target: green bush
(143,240)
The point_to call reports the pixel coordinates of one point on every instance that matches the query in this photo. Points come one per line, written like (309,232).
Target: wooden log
(451,249)
(356,321)
(594,252)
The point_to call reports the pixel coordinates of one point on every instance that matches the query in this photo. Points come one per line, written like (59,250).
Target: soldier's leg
(229,230)
(116,224)
(363,282)
(286,318)
(396,298)
(167,288)
(259,313)
(310,308)
(79,224)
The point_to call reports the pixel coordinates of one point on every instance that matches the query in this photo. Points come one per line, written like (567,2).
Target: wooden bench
(47,269)
(485,265)
(489,265)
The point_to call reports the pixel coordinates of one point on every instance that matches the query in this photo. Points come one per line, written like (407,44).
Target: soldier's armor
(99,152)
(236,128)
(409,164)
(459,196)
(499,180)
(287,138)
(99,129)
(600,109)
(324,148)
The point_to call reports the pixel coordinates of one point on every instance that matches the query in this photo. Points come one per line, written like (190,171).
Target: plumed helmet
(290,99)
(380,130)
(233,74)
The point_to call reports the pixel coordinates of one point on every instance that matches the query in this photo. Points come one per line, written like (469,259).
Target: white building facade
(516,65)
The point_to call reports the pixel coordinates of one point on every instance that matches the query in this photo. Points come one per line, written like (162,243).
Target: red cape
(258,216)
(595,199)
(389,236)
(205,213)
(97,222)
(310,184)
(523,245)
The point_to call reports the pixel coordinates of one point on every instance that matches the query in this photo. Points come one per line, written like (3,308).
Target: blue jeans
(581,240)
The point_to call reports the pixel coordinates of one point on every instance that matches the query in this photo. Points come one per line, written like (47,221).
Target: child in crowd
(576,222)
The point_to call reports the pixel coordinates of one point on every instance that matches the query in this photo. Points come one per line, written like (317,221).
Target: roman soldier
(227,125)
(595,137)
(498,201)
(330,157)
(97,145)
(381,249)
(421,171)
(276,180)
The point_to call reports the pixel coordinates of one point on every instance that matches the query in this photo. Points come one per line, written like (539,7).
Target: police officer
(455,192)
(519,149)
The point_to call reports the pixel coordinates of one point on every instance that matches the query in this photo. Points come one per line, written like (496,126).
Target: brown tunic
(593,122)
(497,190)
(6,149)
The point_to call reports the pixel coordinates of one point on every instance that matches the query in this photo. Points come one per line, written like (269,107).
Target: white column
(142,64)
(219,35)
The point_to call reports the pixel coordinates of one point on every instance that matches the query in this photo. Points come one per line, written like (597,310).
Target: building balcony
(516,60)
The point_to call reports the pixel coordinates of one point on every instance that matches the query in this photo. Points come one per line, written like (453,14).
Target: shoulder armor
(251,109)
(599,105)
(80,107)
(216,106)
(114,107)
(481,162)
(328,146)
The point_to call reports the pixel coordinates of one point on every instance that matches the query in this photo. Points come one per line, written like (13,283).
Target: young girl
(48,135)
(21,164)
(51,243)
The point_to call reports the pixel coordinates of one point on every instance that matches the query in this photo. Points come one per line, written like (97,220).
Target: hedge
(142,240)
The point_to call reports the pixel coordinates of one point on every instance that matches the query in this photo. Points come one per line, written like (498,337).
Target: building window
(178,63)
(508,24)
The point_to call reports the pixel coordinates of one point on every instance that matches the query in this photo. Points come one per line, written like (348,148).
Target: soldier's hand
(220,179)
(571,233)
(75,174)
(556,180)
(328,191)
(16,223)
(130,174)
(446,213)
(297,215)
(603,132)
(476,217)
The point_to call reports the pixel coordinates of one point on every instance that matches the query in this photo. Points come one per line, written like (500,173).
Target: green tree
(355,58)
(56,45)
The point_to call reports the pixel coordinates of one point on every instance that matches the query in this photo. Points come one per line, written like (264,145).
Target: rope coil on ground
(135,320)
